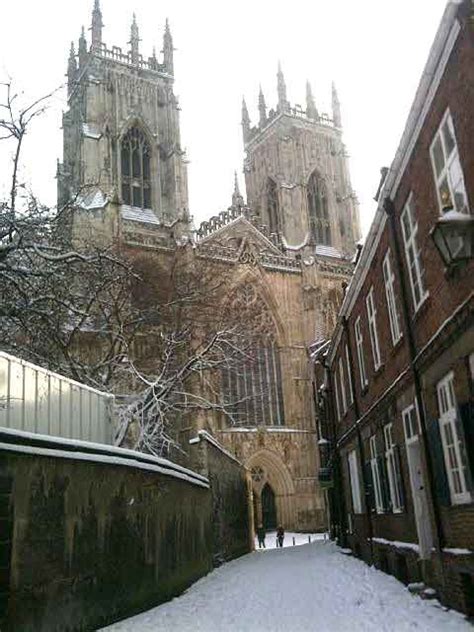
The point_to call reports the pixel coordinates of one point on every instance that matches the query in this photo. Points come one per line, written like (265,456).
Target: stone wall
(232,524)
(91,534)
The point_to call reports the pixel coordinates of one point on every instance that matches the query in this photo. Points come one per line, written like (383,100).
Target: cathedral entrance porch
(273,490)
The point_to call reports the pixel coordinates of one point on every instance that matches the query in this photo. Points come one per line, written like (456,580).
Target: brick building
(395,382)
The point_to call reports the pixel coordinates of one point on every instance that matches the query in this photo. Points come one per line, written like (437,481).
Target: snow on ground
(296,589)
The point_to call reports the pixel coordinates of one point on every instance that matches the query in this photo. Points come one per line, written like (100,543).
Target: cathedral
(286,249)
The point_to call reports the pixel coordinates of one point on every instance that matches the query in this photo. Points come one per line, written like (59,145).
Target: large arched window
(135,159)
(319,223)
(273,208)
(251,382)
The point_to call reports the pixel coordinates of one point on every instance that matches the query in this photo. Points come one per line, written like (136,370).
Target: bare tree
(190,339)
(155,330)
(53,296)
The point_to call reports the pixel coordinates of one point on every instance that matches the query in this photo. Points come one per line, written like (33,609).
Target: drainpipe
(389,208)
(368,508)
(337,491)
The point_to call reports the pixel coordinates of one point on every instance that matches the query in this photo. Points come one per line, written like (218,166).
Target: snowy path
(304,588)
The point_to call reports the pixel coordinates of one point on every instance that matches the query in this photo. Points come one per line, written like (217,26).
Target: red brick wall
(446,293)
(456,91)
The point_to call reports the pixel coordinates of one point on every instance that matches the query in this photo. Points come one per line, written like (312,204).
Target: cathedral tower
(123,162)
(297,176)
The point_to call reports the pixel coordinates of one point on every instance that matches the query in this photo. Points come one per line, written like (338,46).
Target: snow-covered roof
(135,214)
(90,131)
(94,199)
(203,434)
(327,251)
(295,246)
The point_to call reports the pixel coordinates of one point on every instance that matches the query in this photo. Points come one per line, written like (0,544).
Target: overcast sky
(374,50)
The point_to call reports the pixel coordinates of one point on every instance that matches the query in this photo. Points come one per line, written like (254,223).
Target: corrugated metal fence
(36,400)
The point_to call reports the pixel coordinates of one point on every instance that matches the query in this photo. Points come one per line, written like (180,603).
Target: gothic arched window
(319,223)
(273,207)
(251,382)
(135,160)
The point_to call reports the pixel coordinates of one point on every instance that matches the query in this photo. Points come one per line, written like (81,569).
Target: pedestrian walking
(261,536)
(280,536)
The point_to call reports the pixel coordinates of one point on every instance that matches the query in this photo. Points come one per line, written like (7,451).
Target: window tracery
(318,210)
(136,169)
(252,385)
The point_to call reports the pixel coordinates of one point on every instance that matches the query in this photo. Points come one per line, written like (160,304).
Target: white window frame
(453,457)
(392,308)
(448,177)
(372,320)
(354,480)
(349,377)
(416,271)
(410,423)
(359,338)
(395,497)
(343,386)
(374,466)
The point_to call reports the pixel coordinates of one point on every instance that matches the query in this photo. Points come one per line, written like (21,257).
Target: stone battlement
(116,54)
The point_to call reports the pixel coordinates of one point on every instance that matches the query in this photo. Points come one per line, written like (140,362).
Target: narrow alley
(303,588)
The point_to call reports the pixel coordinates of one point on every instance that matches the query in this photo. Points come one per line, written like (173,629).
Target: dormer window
(135,161)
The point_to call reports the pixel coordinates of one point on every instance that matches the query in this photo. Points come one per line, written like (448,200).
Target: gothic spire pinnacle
(281,86)
(71,69)
(237,199)
(82,48)
(311,109)
(97,25)
(72,54)
(135,41)
(245,121)
(168,49)
(336,107)
(262,108)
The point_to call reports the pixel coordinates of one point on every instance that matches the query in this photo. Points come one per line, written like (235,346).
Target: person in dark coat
(280,536)
(261,536)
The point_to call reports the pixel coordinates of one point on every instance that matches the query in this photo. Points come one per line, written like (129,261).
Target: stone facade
(301,297)
(112,94)
(292,157)
(121,103)
(232,524)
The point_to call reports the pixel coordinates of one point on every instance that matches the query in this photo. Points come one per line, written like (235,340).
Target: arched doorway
(269,514)
(273,490)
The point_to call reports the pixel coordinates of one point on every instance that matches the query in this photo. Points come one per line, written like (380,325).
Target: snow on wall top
(203,434)
(31,443)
